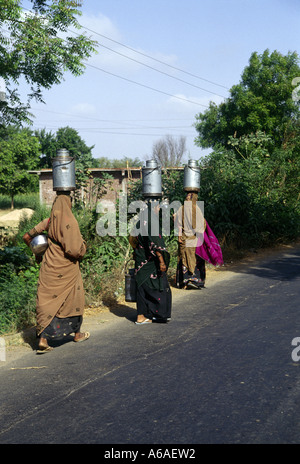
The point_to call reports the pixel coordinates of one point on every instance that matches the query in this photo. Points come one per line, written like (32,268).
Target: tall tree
(262,101)
(32,49)
(168,151)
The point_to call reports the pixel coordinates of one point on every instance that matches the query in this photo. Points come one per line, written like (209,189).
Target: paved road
(220,372)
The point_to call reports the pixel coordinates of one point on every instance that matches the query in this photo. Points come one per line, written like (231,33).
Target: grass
(24,200)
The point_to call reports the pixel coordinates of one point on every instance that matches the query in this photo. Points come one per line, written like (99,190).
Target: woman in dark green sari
(152,259)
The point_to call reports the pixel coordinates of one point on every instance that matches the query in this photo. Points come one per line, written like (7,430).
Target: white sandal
(146,321)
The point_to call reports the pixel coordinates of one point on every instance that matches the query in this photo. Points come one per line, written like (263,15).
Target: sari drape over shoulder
(60,287)
(210,249)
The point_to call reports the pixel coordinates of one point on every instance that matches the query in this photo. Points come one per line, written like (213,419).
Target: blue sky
(189,53)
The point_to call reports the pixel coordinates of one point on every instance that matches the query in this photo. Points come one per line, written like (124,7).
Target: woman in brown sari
(191,224)
(60,295)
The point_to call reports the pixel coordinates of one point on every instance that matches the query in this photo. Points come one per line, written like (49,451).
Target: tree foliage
(250,182)
(262,101)
(19,153)
(252,202)
(37,46)
(65,137)
(124,162)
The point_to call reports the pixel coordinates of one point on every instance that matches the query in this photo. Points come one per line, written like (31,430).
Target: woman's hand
(162,266)
(27,239)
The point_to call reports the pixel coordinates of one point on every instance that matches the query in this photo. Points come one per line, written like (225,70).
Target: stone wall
(118,182)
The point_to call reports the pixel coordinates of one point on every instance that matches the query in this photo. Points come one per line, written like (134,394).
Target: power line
(138,83)
(159,71)
(154,59)
(147,56)
(100,131)
(126,122)
(146,86)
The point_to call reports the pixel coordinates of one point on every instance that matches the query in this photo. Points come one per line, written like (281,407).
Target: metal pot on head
(151,179)
(191,178)
(63,171)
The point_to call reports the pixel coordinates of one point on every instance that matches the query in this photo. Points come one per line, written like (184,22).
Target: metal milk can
(151,179)
(63,171)
(191,178)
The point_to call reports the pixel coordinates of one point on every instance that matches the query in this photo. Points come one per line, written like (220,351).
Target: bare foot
(43,346)
(81,336)
(43,343)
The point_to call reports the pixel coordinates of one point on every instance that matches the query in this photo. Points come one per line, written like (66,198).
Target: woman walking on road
(191,224)
(60,294)
(154,299)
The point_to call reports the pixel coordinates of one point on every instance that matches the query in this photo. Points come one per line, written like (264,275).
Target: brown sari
(191,225)
(189,231)
(60,287)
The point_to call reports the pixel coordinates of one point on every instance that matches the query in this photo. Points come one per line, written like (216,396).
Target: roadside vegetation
(249,183)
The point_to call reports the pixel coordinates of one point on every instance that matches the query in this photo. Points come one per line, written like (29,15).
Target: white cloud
(83,109)
(114,54)
(181,102)
(101,24)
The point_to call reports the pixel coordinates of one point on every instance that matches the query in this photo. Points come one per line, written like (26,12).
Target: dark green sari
(153,291)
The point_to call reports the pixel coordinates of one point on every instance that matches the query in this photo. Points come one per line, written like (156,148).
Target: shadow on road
(279,266)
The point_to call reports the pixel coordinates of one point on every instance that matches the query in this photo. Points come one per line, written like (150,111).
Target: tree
(31,49)
(261,102)
(68,138)
(48,147)
(19,153)
(124,162)
(168,151)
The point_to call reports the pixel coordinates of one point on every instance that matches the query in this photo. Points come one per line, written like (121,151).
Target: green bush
(251,202)
(18,284)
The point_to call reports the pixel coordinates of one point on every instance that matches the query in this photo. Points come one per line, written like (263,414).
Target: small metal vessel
(130,286)
(39,244)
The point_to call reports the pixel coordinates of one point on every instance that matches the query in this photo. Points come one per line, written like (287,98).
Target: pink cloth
(210,250)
